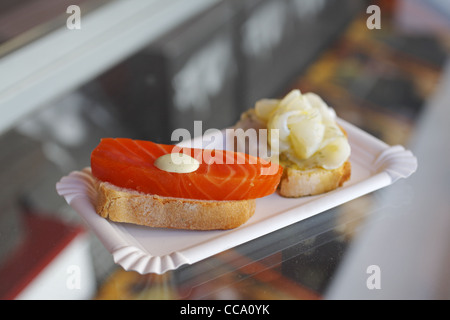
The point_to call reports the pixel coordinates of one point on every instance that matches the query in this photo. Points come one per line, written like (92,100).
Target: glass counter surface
(296,262)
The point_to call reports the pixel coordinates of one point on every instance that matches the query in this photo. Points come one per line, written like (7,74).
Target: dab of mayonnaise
(177,162)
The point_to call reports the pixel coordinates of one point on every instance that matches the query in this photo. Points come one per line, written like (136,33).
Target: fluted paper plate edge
(397,162)
(79,191)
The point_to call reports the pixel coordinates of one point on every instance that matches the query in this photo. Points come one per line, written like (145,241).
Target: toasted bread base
(124,205)
(299,183)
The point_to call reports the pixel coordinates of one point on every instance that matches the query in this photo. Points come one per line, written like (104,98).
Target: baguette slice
(124,205)
(299,183)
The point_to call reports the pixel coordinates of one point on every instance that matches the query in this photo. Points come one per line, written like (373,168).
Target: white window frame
(66,59)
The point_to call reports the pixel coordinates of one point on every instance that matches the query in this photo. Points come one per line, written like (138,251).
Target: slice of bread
(299,183)
(124,205)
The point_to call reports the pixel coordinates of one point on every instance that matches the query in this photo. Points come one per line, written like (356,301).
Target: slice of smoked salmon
(222,175)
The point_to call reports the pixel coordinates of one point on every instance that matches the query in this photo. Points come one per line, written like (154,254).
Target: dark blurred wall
(218,64)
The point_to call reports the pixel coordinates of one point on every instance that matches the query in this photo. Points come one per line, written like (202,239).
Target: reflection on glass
(22,22)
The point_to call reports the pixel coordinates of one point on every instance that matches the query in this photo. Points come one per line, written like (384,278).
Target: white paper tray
(150,250)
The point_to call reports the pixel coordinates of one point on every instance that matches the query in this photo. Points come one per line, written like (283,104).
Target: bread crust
(299,183)
(124,205)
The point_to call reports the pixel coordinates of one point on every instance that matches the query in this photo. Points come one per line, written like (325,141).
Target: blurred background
(142,68)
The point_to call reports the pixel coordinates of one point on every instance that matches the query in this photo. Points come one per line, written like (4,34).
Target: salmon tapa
(222,175)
